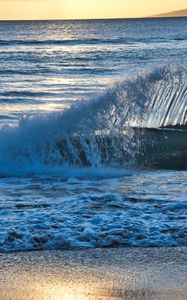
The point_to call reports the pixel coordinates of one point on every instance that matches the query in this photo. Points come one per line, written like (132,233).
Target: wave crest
(112,130)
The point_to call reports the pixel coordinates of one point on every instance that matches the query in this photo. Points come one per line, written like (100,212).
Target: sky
(85,9)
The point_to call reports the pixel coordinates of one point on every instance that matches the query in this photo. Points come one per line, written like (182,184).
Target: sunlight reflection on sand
(42,287)
(110,274)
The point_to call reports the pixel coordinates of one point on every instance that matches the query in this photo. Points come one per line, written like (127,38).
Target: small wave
(112,131)
(25,93)
(73,42)
(59,42)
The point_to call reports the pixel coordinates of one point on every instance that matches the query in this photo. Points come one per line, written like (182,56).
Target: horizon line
(94,19)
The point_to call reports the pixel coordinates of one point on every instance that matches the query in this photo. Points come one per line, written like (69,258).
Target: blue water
(74,173)
(49,65)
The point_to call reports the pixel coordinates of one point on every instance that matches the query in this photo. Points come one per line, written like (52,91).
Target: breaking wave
(141,121)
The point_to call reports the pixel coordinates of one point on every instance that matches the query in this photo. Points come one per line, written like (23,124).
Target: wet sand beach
(120,273)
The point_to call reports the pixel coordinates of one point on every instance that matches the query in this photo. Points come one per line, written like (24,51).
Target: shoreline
(113,274)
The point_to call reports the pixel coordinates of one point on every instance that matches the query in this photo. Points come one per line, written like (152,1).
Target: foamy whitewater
(93,134)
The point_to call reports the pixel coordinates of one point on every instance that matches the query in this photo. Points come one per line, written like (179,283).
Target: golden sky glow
(85,9)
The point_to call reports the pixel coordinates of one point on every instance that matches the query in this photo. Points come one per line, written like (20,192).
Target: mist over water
(93,134)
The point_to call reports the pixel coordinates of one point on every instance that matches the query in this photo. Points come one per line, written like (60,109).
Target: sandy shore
(125,273)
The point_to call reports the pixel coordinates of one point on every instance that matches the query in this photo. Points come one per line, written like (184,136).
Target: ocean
(93,134)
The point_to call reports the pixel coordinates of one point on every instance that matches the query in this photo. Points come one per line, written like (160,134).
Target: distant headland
(176,13)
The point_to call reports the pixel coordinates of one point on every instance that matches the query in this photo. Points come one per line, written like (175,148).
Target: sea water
(72,96)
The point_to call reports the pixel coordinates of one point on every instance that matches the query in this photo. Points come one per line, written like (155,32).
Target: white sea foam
(137,209)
